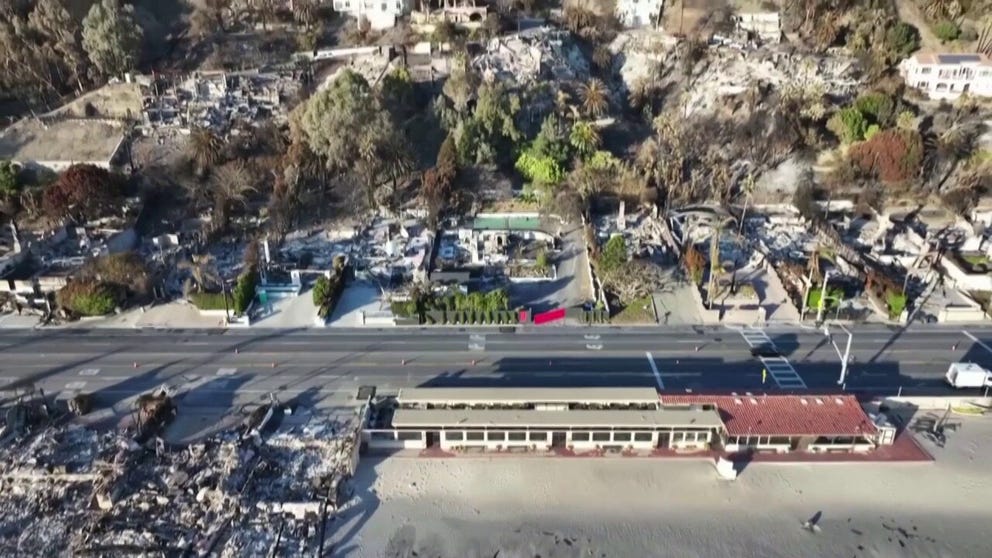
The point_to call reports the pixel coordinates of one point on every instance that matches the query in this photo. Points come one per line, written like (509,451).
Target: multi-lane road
(237,366)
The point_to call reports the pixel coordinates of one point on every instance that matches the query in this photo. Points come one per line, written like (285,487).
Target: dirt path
(910,13)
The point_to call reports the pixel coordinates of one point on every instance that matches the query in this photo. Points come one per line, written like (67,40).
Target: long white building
(381,14)
(948,76)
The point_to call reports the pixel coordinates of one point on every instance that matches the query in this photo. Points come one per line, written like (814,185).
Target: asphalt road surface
(234,367)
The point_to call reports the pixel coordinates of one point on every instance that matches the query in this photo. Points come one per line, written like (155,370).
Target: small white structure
(948,76)
(381,14)
(766,26)
(639,13)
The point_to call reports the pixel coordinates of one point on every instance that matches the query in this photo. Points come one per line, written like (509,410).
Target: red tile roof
(784,415)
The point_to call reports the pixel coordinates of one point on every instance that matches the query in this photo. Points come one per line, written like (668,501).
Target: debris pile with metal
(260,490)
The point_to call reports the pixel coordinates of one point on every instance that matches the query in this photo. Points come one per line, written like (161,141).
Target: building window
(383,7)
(496,436)
(399,6)
(538,436)
(474,436)
(516,436)
(407,435)
(600,436)
(642,436)
(580,436)
(621,436)
(922,85)
(454,436)
(941,87)
(924,70)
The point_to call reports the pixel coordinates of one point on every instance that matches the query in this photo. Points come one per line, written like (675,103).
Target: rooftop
(73,140)
(472,418)
(785,415)
(475,396)
(953,58)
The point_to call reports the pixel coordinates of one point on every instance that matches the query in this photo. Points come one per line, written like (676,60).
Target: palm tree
(942,9)
(595,100)
(203,274)
(585,138)
(232,182)
(305,12)
(204,148)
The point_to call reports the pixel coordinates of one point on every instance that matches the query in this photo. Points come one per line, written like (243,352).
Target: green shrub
(902,39)
(89,298)
(321,289)
(211,301)
(896,303)
(947,31)
(614,254)
(244,291)
(848,125)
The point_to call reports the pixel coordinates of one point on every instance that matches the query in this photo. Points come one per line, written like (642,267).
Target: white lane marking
(75,385)
(594,346)
(654,369)
(977,341)
(227,371)
(779,368)
(89,371)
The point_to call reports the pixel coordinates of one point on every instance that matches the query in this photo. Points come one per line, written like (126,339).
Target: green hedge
(211,301)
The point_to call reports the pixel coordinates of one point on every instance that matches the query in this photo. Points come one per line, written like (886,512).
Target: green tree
(552,140)
(9,182)
(343,120)
(614,254)
(112,37)
(879,106)
(848,124)
(902,39)
(244,290)
(947,31)
(584,138)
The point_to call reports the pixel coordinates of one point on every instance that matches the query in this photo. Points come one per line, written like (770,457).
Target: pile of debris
(533,55)
(255,491)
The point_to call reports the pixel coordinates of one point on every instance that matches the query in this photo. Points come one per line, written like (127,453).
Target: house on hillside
(948,76)
(639,13)
(381,14)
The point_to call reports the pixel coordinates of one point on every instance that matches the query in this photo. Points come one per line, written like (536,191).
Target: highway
(234,367)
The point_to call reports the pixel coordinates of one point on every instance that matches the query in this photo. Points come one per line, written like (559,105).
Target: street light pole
(846,357)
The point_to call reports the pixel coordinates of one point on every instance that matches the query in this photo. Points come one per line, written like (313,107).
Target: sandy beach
(563,507)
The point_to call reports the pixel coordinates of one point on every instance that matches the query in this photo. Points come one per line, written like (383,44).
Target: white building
(381,14)
(639,13)
(947,76)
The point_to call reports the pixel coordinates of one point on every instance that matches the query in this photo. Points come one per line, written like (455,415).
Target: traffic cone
(473,362)
(134,364)
(236,350)
(273,365)
(403,362)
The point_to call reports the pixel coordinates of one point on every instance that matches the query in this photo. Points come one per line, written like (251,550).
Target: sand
(551,507)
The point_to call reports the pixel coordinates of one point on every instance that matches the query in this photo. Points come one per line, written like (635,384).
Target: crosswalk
(778,367)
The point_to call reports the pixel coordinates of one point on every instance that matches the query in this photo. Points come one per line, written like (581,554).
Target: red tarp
(549,316)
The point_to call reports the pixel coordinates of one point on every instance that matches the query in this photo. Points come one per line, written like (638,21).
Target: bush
(126,270)
(614,254)
(878,106)
(244,291)
(321,290)
(88,298)
(848,124)
(10,184)
(211,301)
(892,155)
(947,31)
(896,302)
(902,39)
(541,170)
